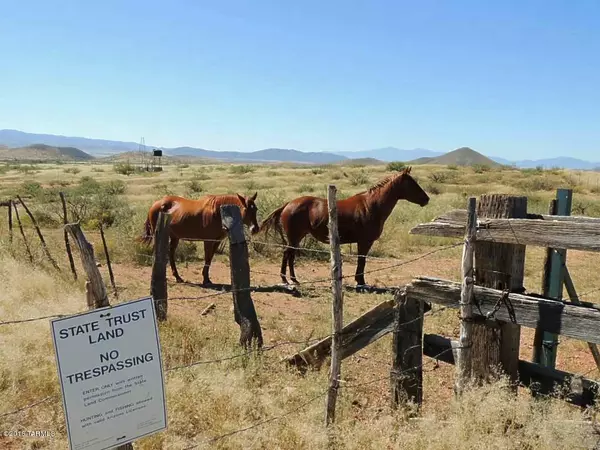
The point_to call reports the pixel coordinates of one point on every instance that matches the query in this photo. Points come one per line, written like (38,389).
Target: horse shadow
(223,287)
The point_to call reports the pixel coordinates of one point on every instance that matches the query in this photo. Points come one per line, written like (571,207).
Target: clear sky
(508,78)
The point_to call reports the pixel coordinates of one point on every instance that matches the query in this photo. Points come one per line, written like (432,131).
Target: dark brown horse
(360,218)
(198,220)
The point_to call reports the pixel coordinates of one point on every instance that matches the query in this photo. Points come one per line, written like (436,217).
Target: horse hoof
(179,280)
(296,282)
(207,283)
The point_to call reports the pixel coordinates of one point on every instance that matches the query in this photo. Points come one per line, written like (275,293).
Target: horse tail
(273,221)
(148,235)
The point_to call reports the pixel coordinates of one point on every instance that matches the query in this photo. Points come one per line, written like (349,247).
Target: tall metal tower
(144,156)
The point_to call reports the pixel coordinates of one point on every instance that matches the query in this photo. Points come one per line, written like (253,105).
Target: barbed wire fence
(314,283)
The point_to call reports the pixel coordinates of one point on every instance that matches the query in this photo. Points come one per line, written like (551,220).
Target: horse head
(411,191)
(249,212)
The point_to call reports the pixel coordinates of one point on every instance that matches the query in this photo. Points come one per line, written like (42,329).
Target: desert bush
(240,170)
(97,169)
(442,176)
(395,166)
(194,187)
(91,202)
(317,170)
(72,170)
(481,168)
(124,168)
(359,178)
(305,188)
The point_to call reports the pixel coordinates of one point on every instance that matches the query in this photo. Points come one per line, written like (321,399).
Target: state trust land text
(109,361)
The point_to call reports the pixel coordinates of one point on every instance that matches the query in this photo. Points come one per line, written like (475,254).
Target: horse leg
(210,248)
(291,258)
(363,249)
(284,260)
(173,246)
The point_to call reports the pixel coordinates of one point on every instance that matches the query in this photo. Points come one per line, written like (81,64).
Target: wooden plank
(406,375)
(459,216)
(465,341)
(243,306)
(10,222)
(541,379)
(337,306)
(574,321)
(356,335)
(158,283)
(543,233)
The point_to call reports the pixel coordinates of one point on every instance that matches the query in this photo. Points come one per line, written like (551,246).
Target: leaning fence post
(66,235)
(158,285)
(498,266)
(464,361)
(337,305)
(39,233)
(406,376)
(10,224)
(88,260)
(243,307)
(21,230)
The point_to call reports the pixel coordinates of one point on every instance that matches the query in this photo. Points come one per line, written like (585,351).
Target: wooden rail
(574,233)
(575,321)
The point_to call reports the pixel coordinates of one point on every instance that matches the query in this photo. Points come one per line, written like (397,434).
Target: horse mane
(389,179)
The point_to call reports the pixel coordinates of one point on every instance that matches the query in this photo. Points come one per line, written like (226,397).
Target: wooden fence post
(111,275)
(95,289)
(243,307)
(22,232)
(337,305)
(88,260)
(464,350)
(545,344)
(498,266)
(158,285)
(406,376)
(10,224)
(66,235)
(39,233)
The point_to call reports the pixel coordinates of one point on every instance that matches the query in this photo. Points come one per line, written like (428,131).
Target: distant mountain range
(101,147)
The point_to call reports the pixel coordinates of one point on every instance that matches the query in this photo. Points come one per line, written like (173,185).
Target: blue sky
(516,79)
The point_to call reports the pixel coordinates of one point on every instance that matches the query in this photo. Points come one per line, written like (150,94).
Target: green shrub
(240,170)
(395,166)
(481,168)
(72,170)
(305,188)
(359,178)
(124,168)
(194,187)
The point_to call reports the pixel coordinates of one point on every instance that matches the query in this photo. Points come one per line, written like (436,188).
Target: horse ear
(242,199)
(254,196)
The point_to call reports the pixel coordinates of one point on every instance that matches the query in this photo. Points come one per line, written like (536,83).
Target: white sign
(111,376)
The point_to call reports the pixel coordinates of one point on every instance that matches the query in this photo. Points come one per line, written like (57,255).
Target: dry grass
(210,400)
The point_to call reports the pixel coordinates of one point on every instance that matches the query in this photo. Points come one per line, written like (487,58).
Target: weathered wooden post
(88,260)
(243,307)
(406,376)
(22,231)
(66,235)
(158,284)
(545,344)
(337,306)
(10,224)
(464,351)
(39,233)
(95,289)
(108,264)
(498,266)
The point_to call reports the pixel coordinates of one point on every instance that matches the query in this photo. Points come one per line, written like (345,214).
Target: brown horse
(198,220)
(360,218)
